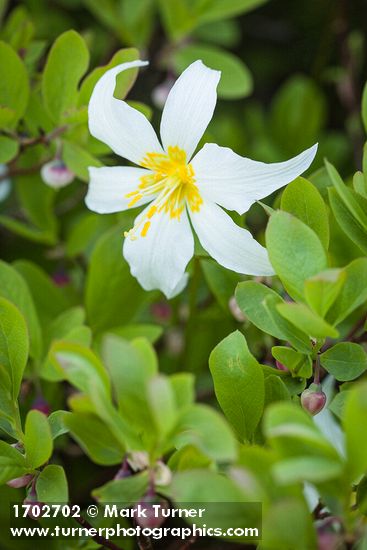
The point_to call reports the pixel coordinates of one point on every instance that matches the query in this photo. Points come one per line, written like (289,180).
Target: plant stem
(316,377)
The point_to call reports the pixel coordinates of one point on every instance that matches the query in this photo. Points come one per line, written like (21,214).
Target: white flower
(179,187)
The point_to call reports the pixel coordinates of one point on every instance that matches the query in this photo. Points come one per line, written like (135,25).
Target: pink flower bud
(162,311)
(56,174)
(313,399)
(61,279)
(18,482)
(280,366)
(35,509)
(153,515)
(40,404)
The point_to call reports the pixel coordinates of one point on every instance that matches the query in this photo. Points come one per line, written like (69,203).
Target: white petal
(236,182)
(109,185)
(159,259)
(189,107)
(232,246)
(114,122)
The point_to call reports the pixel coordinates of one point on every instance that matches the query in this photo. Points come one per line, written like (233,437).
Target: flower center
(172,181)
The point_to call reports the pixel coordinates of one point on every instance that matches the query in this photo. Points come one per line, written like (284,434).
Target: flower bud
(60,278)
(154,517)
(162,311)
(56,174)
(18,482)
(40,404)
(280,366)
(235,310)
(313,399)
(35,509)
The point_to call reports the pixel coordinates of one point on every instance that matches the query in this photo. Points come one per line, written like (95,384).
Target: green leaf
(183,387)
(353,293)
(128,490)
(275,390)
(78,160)
(52,485)
(250,297)
(296,337)
(347,221)
(207,430)
(37,439)
(221,282)
(52,301)
(292,433)
(236,79)
(359,184)
(307,321)
(13,343)
(354,423)
(12,463)
(295,251)
(66,63)
(215,10)
(95,438)
(302,199)
(322,289)
(80,366)
(14,288)
(298,113)
(142,330)
(112,295)
(348,196)
(14,88)
(239,384)
(345,361)
(8,149)
(297,363)
(162,404)
(125,79)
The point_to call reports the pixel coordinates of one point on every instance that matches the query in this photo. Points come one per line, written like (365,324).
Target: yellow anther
(144,231)
(171,184)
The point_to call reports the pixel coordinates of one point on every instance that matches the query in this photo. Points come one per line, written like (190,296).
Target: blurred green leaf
(14,89)
(66,63)
(354,420)
(128,490)
(78,160)
(12,462)
(353,293)
(297,363)
(112,295)
(8,149)
(14,288)
(235,81)
(13,343)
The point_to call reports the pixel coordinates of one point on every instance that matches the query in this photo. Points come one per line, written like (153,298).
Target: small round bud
(162,311)
(35,509)
(18,482)
(280,366)
(56,174)
(40,404)
(313,399)
(154,517)
(60,278)
(235,310)
(175,342)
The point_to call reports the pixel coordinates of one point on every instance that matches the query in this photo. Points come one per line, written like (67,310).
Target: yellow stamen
(172,183)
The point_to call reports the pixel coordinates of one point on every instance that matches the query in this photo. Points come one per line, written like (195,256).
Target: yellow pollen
(171,183)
